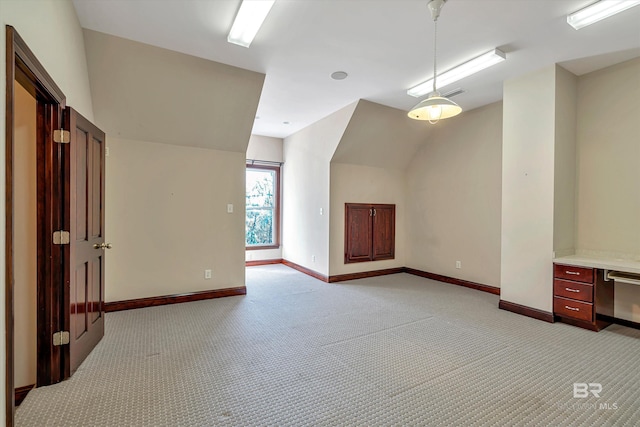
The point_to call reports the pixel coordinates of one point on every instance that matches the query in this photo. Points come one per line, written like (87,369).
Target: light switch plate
(229,208)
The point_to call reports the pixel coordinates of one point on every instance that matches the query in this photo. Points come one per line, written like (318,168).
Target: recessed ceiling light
(249,19)
(339,75)
(599,11)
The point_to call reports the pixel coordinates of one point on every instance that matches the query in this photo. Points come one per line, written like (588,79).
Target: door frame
(23,67)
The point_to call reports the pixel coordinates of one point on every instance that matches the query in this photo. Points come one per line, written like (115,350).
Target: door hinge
(61,136)
(61,238)
(61,338)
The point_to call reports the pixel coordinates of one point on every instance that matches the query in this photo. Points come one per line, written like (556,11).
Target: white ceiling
(384,45)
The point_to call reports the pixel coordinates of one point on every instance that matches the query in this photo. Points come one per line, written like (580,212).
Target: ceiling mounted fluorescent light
(473,66)
(599,11)
(249,19)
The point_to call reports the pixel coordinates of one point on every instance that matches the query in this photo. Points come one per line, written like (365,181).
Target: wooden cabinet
(582,297)
(369,232)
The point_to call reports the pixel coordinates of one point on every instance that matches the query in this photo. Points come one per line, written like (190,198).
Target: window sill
(257,248)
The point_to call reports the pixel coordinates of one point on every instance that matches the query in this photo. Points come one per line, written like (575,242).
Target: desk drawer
(569,272)
(575,309)
(573,290)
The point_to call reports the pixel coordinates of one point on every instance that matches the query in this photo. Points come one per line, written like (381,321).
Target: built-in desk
(583,288)
(603,263)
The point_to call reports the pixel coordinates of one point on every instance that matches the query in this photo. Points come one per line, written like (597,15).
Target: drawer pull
(572,290)
(571,308)
(575,273)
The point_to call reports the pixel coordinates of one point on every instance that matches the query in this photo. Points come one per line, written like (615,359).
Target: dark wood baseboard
(21,393)
(623,322)
(526,311)
(596,327)
(172,299)
(306,270)
(365,274)
(263,262)
(446,279)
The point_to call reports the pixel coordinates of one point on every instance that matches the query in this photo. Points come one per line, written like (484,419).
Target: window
(262,207)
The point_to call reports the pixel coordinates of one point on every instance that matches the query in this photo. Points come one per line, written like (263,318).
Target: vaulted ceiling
(145,93)
(384,46)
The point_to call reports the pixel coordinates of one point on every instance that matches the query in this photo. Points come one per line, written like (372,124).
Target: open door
(83,160)
(70,229)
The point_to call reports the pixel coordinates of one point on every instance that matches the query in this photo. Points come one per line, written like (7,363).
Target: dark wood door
(84,216)
(384,223)
(358,238)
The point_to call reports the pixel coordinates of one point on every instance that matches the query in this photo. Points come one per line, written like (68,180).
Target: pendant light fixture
(435,107)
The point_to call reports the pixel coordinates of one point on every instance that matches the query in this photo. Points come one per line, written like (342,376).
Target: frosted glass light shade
(434,108)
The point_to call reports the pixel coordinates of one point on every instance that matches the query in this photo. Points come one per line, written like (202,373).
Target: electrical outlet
(208,274)
(458,264)
(313,258)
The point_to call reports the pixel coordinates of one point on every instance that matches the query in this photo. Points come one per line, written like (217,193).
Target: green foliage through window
(260,205)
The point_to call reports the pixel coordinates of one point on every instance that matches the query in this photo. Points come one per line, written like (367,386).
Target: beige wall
(167,219)
(539,184)
(62,54)
(147,93)
(608,198)
(527,189)
(265,148)
(380,136)
(25,238)
(565,163)
(608,176)
(177,128)
(307,156)
(268,149)
(364,184)
(453,198)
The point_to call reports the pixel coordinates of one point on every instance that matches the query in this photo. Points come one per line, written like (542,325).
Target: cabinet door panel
(384,222)
(358,239)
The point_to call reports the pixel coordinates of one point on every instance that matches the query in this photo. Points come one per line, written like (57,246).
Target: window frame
(276,209)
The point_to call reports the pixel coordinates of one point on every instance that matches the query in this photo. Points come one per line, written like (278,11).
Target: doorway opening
(64,212)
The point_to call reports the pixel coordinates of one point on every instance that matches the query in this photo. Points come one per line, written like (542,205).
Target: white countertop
(604,263)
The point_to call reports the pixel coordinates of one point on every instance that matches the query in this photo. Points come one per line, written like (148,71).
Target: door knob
(102,246)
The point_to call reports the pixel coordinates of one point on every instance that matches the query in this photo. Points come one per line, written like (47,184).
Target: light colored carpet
(391,350)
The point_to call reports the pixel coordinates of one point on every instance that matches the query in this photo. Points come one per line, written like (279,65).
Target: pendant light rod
(435,52)
(435,6)
(435,107)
